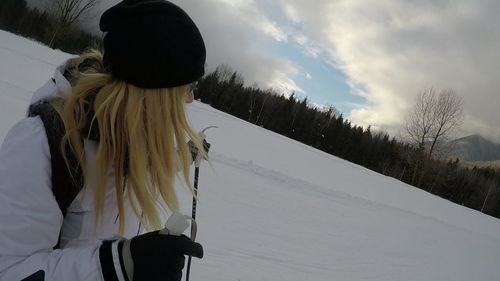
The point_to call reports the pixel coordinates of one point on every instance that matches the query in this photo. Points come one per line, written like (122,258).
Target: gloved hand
(194,149)
(158,256)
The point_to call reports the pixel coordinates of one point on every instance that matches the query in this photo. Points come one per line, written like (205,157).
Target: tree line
(326,129)
(323,128)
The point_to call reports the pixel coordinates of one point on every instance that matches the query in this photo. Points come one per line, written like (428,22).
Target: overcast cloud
(388,50)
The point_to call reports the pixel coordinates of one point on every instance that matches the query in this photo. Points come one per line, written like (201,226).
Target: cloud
(308,76)
(291,12)
(389,50)
(232,31)
(247,11)
(284,84)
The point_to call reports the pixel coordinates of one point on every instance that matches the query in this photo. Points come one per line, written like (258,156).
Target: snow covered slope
(274,209)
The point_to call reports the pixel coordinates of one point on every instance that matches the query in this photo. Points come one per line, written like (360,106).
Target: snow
(274,209)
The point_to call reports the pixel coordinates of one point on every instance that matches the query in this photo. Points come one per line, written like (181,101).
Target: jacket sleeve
(30,218)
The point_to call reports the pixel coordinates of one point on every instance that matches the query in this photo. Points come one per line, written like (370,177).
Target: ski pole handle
(177,223)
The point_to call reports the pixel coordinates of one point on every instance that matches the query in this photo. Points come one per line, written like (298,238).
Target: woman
(124,124)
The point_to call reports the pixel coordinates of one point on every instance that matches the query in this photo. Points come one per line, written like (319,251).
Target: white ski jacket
(30,218)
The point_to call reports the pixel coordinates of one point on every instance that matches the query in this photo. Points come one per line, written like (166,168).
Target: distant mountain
(475,148)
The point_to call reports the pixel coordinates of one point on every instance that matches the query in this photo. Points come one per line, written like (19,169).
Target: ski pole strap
(195,155)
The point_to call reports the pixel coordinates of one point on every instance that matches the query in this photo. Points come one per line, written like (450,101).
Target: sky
(367,58)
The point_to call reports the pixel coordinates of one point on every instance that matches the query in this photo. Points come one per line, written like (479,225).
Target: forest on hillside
(323,128)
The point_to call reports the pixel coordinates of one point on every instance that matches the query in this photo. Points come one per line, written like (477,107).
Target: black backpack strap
(66,183)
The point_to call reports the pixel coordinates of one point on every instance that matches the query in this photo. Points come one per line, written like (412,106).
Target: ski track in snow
(13,52)
(15,91)
(337,197)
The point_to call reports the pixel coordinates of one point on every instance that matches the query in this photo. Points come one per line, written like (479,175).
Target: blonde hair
(142,135)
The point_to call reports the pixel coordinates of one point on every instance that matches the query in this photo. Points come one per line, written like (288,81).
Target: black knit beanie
(152,44)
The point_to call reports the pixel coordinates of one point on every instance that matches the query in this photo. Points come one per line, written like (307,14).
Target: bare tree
(434,119)
(225,72)
(448,116)
(68,12)
(266,96)
(420,121)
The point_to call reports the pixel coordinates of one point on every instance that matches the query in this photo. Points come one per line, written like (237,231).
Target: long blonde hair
(142,136)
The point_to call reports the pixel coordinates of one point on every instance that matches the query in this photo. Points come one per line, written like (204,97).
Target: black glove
(161,257)
(152,256)
(194,149)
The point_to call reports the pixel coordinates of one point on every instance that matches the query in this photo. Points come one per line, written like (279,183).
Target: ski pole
(197,164)
(193,214)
